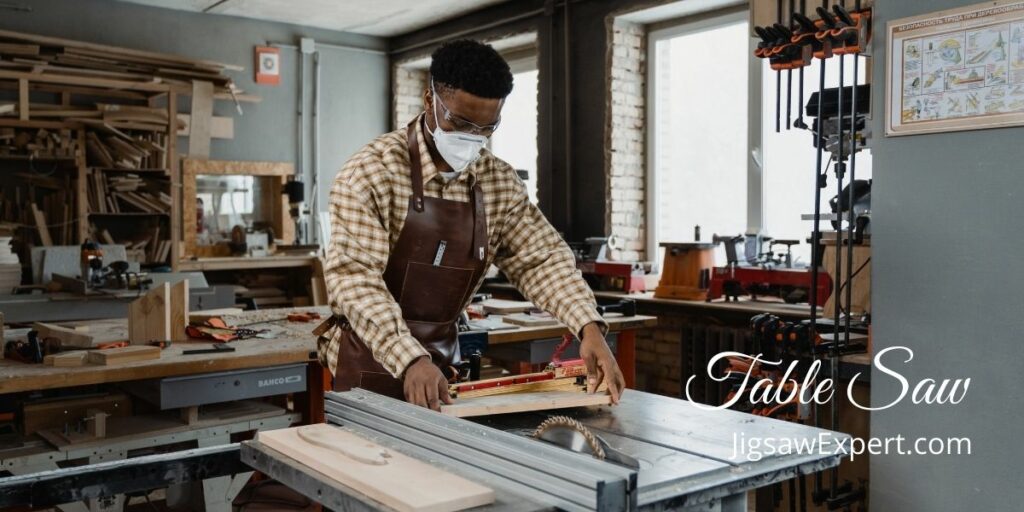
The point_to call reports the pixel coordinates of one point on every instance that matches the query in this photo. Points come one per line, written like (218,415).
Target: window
(789,157)
(697,129)
(714,158)
(515,141)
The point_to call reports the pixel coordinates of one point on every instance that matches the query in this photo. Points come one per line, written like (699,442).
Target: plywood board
(112,356)
(389,477)
(523,402)
(527,320)
(506,307)
(149,317)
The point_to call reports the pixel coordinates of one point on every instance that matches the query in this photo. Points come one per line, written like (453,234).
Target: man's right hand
(425,385)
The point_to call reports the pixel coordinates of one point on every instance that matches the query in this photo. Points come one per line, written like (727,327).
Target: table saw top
(687,455)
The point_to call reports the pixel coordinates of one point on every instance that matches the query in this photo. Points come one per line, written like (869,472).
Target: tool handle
(844,15)
(805,23)
(783,30)
(826,17)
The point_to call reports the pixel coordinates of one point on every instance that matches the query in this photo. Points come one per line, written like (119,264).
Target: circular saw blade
(570,434)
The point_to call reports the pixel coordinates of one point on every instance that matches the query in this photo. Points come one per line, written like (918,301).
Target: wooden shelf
(26,158)
(241,263)
(127,214)
(114,169)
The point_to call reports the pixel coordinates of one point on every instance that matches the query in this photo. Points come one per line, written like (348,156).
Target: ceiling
(383,18)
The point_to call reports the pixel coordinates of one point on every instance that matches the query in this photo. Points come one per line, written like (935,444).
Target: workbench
(292,343)
(687,456)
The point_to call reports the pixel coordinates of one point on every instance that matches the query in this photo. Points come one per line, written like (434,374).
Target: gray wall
(946,283)
(355,85)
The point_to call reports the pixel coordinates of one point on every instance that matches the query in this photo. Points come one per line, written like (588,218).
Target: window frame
(685,26)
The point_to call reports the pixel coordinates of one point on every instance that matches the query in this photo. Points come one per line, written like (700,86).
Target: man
(417,216)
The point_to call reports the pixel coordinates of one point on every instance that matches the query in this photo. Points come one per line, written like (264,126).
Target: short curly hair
(472,66)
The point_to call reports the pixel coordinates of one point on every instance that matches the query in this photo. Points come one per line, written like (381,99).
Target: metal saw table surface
(687,455)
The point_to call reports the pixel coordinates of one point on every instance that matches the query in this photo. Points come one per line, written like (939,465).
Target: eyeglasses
(463,125)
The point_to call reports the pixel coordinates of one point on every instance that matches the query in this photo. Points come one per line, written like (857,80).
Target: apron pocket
(434,293)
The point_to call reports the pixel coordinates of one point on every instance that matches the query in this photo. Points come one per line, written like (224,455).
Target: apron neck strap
(415,166)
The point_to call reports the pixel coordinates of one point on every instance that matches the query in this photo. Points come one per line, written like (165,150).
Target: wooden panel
(522,402)
(123,355)
(149,317)
(527,320)
(179,310)
(202,112)
(44,232)
(389,477)
(506,307)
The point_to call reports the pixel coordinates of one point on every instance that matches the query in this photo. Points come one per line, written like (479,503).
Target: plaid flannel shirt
(368,204)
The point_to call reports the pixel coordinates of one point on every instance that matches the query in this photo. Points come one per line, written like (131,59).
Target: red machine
(602,274)
(790,284)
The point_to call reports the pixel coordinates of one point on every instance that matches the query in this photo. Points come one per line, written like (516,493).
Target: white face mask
(459,149)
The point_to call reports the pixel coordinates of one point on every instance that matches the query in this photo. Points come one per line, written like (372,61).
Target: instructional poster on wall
(961,69)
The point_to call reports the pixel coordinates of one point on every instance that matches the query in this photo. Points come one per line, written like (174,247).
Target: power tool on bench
(604,274)
(762,274)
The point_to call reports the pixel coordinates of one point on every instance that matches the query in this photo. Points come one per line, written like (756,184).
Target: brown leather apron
(431,272)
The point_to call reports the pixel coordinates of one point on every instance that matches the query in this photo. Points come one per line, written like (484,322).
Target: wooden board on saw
(523,402)
(568,384)
(122,355)
(46,414)
(506,307)
(528,320)
(127,428)
(374,470)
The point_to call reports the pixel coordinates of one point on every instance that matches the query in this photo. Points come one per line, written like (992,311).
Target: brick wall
(658,357)
(407,87)
(624,139)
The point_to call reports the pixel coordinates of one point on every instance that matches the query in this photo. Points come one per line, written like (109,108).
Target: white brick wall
(408,86)
(625,158)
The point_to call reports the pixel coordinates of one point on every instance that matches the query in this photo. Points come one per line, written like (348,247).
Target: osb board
(389,477)
(523,402)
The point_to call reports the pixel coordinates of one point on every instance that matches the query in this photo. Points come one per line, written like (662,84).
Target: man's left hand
(601,364)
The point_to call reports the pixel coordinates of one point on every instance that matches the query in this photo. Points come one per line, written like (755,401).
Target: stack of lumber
(43,204)
(10,267)
(145,246)
(112,148)
(37,143)
(92,65)
(125,193)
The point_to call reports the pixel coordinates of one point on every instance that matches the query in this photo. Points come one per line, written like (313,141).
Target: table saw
(685,457)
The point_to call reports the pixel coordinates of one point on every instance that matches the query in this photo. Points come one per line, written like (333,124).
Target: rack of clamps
(793,43)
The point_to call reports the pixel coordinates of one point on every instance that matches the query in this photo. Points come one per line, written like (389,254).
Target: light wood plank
(527,320)
(523,402)
(23,99)
(392,478)
(202,112)
(44,232)
(66,359)
(149,317)
(123,355)
(179,310)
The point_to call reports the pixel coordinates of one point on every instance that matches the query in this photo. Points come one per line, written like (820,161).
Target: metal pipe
(840,169)
(816,242)
(315,178)
(331,46)
(301,133)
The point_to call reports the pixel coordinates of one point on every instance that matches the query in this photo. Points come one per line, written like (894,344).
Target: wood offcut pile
(126,193)
(39,143)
